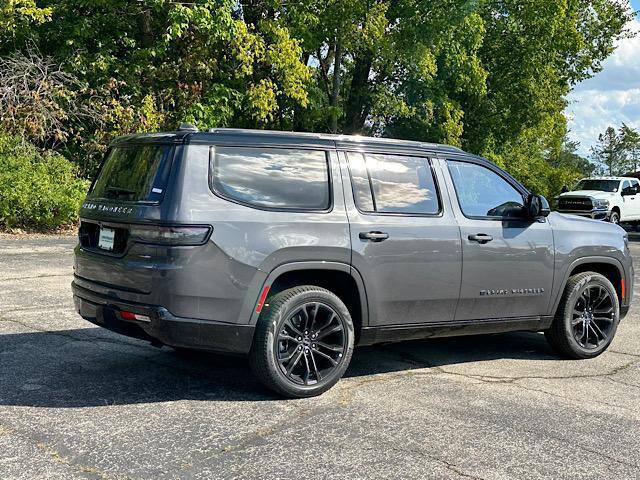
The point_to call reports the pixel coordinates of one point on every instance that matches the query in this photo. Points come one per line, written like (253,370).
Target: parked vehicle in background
(293,248)
(615,199)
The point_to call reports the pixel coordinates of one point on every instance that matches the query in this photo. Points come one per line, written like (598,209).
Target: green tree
(534,53)
(568,158)
(608,152)
(17,17)
(384,67)
(630,145)
(198,61)
(37,190)
(488,75)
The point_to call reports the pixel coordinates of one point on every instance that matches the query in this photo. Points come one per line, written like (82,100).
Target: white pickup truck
(616,199)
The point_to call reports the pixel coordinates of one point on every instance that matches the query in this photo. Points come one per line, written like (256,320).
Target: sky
(609,98)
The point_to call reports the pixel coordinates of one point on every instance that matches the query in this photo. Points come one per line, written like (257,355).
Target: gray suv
(293,248)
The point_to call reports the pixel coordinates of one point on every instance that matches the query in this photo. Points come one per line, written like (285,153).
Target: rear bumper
(162,327)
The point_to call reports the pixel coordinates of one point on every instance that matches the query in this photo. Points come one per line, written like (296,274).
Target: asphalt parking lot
(80,402)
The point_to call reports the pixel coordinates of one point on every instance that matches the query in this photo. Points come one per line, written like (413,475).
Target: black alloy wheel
(587,317)
(311,343)
(303,341)
(593,317)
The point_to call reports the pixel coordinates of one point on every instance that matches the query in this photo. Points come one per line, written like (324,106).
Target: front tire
(615,217)
(303,342)
(587,317)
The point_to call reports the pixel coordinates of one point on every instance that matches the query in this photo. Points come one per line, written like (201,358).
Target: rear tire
(303,342)
(587,317)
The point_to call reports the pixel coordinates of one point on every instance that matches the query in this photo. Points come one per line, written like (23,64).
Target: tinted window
(134,173)
(399,184)
(601,185)
(272,177)
(483,193)
(360,181)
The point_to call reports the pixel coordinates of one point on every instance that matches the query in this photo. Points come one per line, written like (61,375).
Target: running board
(398,333)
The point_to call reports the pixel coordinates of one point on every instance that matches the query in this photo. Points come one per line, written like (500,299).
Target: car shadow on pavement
(94,367)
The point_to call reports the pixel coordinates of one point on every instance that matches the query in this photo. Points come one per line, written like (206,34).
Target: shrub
(39,191)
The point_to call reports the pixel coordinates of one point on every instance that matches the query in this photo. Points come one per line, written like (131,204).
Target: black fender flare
(583,261)
(254,294)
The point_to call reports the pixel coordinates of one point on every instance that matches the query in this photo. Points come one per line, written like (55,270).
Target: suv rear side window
(483,193)
(273,178)
(385,183)
(134,173)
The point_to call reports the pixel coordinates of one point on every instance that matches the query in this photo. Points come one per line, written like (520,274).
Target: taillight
(134,316)
(160,235)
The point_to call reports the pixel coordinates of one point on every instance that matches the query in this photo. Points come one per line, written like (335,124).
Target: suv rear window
(134,173)
(272,178)
(385,183)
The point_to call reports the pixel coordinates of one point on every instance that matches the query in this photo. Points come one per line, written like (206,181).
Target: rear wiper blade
(117,191)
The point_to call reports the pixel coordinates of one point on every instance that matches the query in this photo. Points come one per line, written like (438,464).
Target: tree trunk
(358,103)
(298,119)
(335,91)
(146,28)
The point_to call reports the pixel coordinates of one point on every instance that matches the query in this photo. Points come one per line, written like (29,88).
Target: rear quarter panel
(249,243)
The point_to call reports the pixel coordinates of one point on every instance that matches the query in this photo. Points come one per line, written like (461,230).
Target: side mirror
(626,191)
(537,206)
(564,189)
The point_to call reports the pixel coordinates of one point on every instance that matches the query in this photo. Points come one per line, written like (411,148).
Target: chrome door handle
(481,238)
(374,236)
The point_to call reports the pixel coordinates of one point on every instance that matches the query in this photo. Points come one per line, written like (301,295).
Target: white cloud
(609,98)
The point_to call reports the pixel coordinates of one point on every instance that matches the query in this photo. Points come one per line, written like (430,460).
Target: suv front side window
(482,193)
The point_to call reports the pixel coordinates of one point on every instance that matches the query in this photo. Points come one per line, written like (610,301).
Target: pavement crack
(79,467)
(35,308)
(46,275)
(499,379)
(348,388)
(261,434)
(626,384)
(55,455)
(447,464)
(624,353)
(581,446)
(348,395)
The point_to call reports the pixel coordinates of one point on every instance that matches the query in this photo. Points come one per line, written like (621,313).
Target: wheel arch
(339,278)
(609,267)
